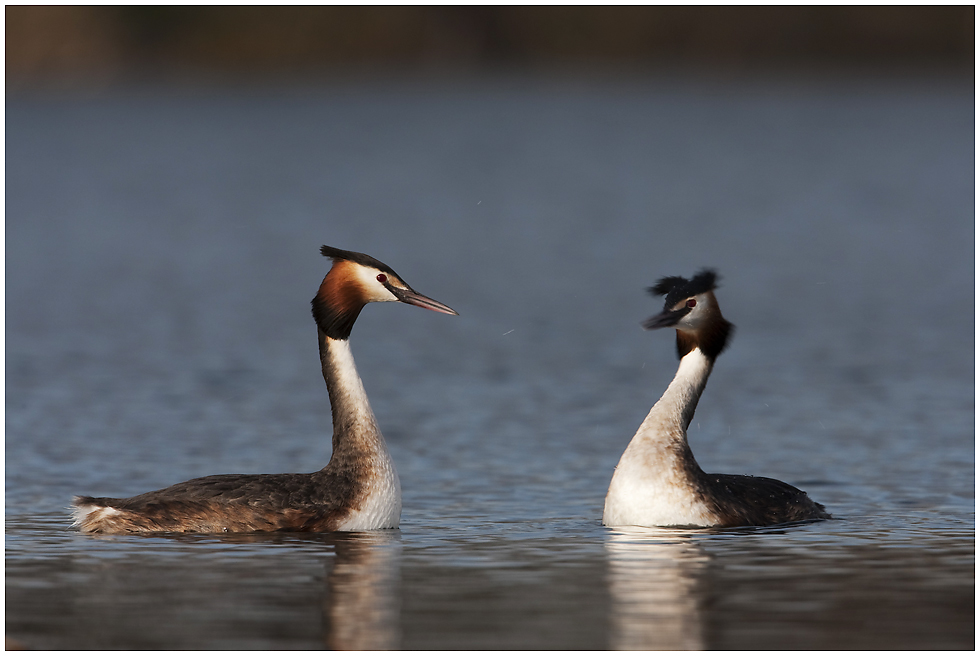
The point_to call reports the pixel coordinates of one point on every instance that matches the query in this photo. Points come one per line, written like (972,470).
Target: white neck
(652,485)
(349,405)
(672,414)
(358,445)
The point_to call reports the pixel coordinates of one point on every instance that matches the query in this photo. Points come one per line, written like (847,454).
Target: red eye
(382,278)
(691,302)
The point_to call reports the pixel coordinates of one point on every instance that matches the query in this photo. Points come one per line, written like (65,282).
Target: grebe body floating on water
(358,489)
(657,481)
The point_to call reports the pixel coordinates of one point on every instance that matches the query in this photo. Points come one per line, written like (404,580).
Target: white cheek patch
(373,289)
(695,318)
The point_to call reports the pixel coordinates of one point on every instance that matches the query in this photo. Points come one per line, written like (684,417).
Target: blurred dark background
(91,44)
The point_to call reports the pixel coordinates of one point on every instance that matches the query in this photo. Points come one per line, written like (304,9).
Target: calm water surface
(162,248)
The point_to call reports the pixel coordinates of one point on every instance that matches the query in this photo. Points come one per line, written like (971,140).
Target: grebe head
(690,307)
(354,280)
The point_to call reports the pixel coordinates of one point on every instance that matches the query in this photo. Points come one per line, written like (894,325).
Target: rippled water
(162,248)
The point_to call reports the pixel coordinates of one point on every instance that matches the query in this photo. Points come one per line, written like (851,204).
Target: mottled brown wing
(266,502)
(759,501)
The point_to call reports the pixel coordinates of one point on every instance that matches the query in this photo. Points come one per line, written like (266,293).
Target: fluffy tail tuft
(88,512)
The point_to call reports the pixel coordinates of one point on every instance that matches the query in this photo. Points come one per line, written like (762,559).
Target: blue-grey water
(162,249)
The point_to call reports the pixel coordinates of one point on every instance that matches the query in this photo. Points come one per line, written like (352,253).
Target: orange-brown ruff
(657,481)
(357,490)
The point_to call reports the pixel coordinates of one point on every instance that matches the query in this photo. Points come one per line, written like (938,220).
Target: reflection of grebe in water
(656,591)
(657,481)
(361,611)
(359,487)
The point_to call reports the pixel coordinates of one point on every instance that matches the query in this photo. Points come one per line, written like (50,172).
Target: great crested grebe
(657,481)
(358,490)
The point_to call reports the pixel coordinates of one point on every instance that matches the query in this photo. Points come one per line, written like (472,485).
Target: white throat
(347,395)
(674,410)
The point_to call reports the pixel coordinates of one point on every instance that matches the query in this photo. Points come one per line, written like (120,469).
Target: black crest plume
(358,258)
(677,288)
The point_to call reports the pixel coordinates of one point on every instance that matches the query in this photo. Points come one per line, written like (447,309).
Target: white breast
(646,494)
(382,508)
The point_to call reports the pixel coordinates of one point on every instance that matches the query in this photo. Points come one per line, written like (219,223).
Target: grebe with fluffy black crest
(657,481)
(358,489)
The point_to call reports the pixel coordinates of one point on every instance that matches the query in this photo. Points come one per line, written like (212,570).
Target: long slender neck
(354,426)
(672,414)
